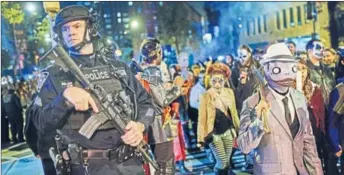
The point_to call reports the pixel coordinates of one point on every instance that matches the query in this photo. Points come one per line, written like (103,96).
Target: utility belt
(68,155)
(80,156)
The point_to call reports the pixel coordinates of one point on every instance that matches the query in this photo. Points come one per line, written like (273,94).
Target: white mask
(318,50)
(243,55)
(280,75)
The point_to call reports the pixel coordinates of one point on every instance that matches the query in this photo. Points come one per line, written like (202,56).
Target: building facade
(285,21)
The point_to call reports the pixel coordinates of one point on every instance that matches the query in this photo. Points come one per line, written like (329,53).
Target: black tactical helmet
(150,49)
(71,13)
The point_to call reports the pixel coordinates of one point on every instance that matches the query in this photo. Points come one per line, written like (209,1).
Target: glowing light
(31,7)
(134,24)
(118,52)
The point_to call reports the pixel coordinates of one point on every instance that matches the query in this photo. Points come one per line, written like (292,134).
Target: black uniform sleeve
(30,132)
(145,106)
(49,109)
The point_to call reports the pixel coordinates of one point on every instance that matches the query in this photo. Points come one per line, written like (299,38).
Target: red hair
(219,68)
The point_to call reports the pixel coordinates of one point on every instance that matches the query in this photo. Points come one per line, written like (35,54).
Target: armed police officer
(62,105)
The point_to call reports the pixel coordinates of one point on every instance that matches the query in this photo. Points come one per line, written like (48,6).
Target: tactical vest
(102,76)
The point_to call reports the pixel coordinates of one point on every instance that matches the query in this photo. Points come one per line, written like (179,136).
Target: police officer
(62,105)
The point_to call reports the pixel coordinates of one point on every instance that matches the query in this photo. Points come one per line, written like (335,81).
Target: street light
(134,24)
(31,7)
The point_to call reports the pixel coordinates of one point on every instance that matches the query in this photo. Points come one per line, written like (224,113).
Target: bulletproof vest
(103,76)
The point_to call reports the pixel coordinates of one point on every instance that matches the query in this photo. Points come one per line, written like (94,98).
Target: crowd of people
(252,103)
(15,97)
(216,90)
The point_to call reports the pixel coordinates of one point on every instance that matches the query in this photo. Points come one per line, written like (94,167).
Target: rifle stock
(112,113)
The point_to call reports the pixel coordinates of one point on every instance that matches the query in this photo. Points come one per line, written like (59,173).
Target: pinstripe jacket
(278,153)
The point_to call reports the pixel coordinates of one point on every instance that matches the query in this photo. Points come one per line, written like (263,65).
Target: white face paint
(243,55)
(280,75)
(318,50)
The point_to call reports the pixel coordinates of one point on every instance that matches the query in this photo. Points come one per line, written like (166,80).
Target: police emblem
(42,78)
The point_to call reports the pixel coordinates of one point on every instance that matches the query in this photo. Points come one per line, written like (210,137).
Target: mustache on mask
(285,80)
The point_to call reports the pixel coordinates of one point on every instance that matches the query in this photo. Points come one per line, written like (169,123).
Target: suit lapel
(277,112)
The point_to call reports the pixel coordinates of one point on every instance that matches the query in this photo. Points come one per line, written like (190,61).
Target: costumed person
(322,76)
(179,148)
(63,106)
(275,122)
(243,78)
(152,81)
(336,115)
(315,102)
(183,62)
(218,118)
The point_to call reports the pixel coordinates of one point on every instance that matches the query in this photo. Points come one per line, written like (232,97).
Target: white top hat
(278,52)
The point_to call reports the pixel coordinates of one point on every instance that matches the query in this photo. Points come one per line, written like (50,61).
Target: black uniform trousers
(48,166)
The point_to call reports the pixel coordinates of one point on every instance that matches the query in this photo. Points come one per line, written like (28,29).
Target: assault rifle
(104,100)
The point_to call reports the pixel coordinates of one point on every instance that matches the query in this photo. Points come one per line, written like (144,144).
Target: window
(108,26)
(130,3)
(285,18)
(125,14)
(299,19)
(119,20)
(119,14)
(161,3)
(254,26)
(305,13)
(265,25)
(125,19)
(278,21)
(126,26)
(107,20)
(292,22)
(259,25)
(248,27)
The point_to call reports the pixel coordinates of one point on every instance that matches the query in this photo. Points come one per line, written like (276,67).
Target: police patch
(97,73)
(42,78)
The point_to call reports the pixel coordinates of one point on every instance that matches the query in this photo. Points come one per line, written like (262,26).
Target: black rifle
(103,100)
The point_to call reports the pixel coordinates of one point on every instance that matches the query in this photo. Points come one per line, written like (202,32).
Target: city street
(19,158)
